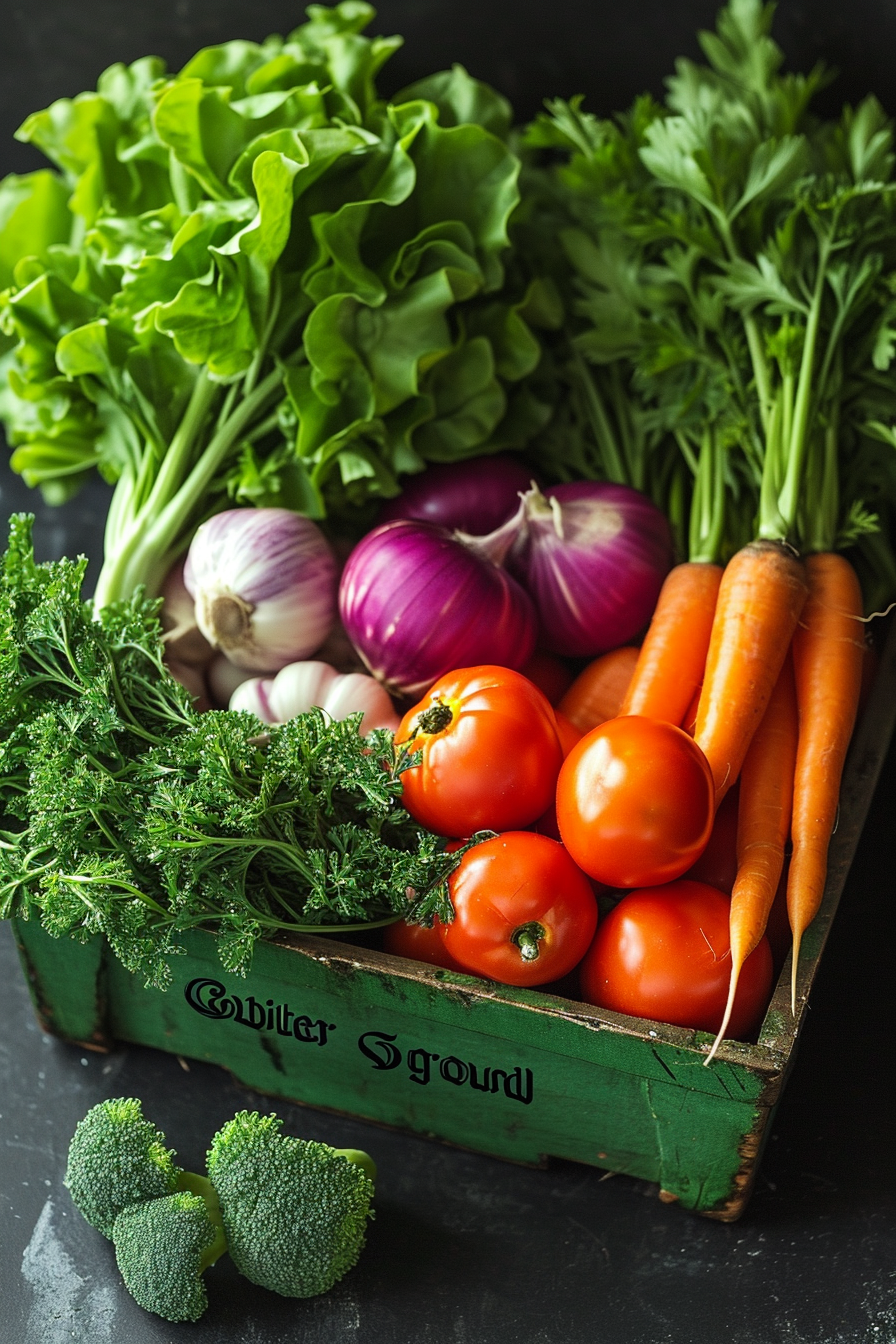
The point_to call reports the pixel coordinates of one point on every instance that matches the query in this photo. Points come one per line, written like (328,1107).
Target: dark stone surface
(465,1248)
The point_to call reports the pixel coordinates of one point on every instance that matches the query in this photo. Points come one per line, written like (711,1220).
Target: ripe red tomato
(717,865)
(524,914)
(549,673)
(663,953)
(490,753)
(635,802)
(420,943)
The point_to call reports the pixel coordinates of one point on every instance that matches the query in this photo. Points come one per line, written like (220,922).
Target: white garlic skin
(264,584)
(300,686)
(223,677)
(184,641)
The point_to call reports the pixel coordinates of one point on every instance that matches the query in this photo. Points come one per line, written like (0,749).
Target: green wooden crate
(520,1074)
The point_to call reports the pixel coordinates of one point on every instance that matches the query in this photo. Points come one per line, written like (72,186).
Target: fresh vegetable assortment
(511,568)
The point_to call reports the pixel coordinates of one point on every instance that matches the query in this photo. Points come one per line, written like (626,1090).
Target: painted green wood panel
(67,983)
(514,1073)
(438,1056)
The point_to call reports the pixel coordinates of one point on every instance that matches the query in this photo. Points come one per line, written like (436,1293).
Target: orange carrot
(673,655)
(828,654)
(763,826)
(760,599)
(598,691)
(689,722)
(567,732)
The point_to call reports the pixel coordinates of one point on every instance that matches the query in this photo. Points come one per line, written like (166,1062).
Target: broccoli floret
(116,1158)
(163,1246)
(295,1211)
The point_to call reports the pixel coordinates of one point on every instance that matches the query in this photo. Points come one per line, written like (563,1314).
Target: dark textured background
(465,1248)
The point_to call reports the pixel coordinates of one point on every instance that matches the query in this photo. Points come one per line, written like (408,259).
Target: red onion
(475,496)
(592,556)
(417,603)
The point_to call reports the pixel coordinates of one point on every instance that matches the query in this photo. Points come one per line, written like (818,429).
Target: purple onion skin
(475,496)
(596,587)
(416,604)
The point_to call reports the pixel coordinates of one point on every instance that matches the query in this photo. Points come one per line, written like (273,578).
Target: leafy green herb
(733,267)
(256,281)
(129,814)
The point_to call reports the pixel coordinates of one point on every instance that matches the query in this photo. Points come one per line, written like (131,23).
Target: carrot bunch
(775,646)
(732,275)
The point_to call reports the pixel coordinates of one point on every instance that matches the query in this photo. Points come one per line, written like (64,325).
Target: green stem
(133,517)
(528,938)
(195,1184)
(795,447)
(631,440)
(708,504)
(257,843)
(610,458)
(359,1159)
(819,525)
(770,522)
(118,518)
(83,880)
(687,451)
(160,537)
(761,374)
(173,465)
(760,370)
(434,719)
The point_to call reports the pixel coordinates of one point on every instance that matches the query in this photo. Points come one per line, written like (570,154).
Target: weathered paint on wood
(67,984)
(517,1073)
(520,1075)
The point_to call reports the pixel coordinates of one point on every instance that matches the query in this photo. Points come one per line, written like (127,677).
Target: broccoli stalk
(292,1212)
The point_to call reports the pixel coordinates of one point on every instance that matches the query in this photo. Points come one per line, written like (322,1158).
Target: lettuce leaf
(256,280)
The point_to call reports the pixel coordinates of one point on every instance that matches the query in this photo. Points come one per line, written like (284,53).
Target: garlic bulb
(264,585)
(223,677)
(299,686)
(192,679)
(184,641)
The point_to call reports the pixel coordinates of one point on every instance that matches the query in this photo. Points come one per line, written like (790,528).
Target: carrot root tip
(720,1035)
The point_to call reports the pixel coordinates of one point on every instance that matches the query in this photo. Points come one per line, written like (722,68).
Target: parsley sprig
(128,814)
(732,271)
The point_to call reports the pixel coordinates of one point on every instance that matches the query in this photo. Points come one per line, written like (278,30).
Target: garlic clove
(299,686)
(184,641)
(264,584)
(223,678)
(358,690)
(253,696)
